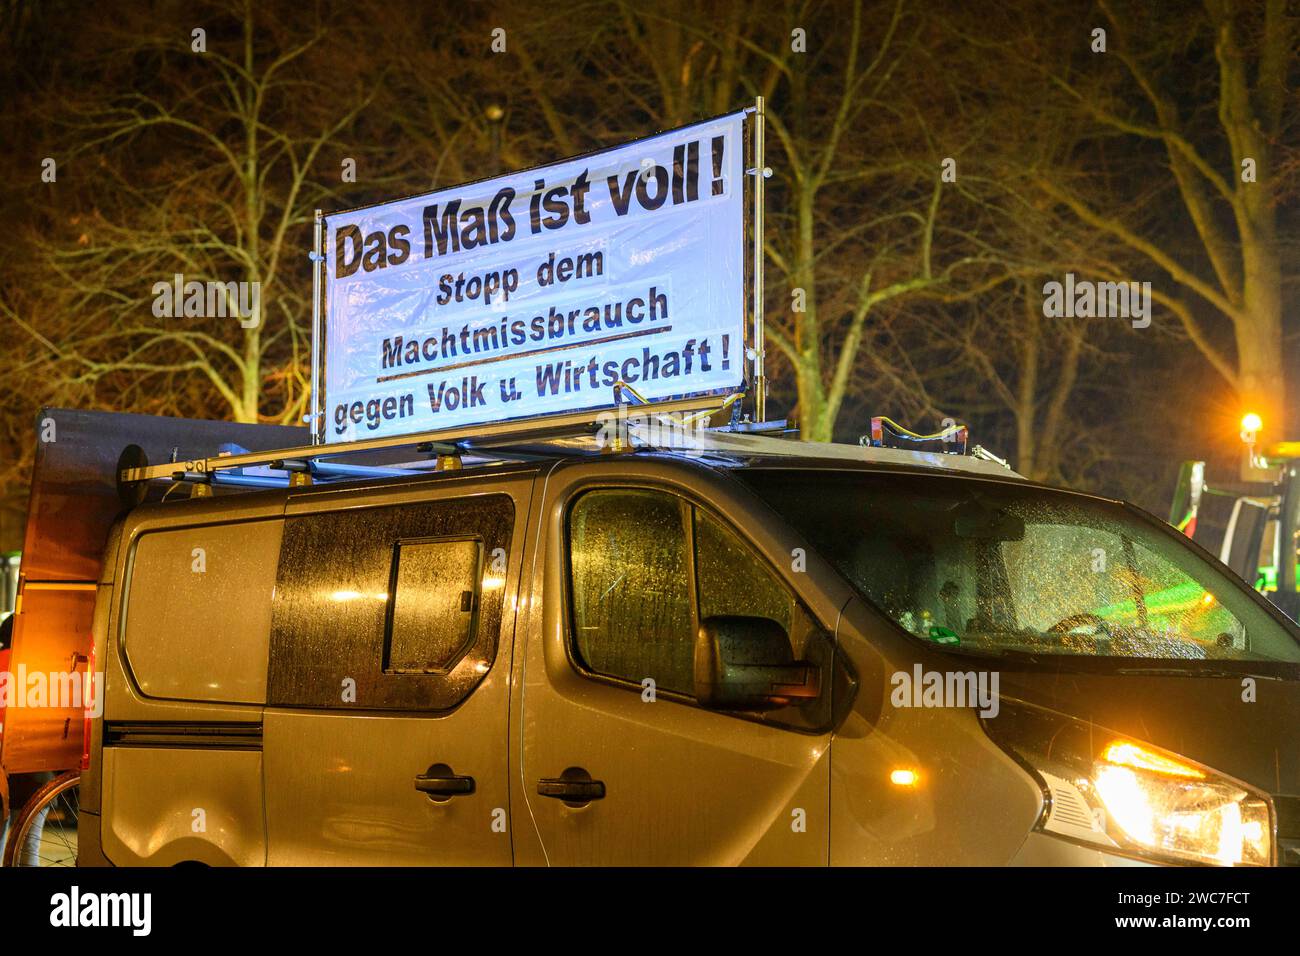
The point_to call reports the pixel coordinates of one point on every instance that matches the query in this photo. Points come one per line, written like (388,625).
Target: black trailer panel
(75,494)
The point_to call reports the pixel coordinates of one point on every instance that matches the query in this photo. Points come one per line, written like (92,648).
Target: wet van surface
(755,652)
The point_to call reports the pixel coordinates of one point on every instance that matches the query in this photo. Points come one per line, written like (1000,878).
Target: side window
(394,608)
(732,579)
(434,604)
(645,567)
(630,569)
(198,610)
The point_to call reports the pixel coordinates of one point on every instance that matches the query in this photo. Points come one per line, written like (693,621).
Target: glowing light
(904,778)
(1125,753)
(1128,803)
(1250,422)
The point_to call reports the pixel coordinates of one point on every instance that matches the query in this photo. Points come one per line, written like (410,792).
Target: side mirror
(746,663)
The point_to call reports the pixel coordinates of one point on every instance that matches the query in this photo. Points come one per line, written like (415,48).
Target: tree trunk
(1261,381)
(1262,386)
(815,420)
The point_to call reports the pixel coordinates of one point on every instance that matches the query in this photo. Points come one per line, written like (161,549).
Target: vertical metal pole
(760,175)
(1288,520)
(314,416)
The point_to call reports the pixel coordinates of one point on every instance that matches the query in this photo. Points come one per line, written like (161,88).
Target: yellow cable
(952,429)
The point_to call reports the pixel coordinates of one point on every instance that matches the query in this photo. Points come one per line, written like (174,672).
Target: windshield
(997,567)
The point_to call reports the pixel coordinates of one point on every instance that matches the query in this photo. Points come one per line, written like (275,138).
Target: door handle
(440,782)
(576,787)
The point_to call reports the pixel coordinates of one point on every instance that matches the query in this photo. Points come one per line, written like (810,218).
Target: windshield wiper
(1003,653)
(1194,669)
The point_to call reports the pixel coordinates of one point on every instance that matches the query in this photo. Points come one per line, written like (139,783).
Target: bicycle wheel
(45,831)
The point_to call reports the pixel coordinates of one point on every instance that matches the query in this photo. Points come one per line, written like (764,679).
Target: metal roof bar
(467,436)
(334,469)
(251,481)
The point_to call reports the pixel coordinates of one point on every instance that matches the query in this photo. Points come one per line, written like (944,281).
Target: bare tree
(1209,90)
(204,142)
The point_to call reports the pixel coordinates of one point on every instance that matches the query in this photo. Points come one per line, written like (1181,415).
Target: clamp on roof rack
(887,433)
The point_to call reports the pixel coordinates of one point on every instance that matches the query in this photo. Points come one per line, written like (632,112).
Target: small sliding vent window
(433,610)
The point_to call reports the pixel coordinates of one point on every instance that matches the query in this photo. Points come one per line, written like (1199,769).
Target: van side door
(385,732)
(621,764)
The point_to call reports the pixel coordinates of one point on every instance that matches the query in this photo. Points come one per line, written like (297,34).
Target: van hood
(1209,719)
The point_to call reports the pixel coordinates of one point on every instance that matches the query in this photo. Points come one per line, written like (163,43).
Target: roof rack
(677,425)
(300,465)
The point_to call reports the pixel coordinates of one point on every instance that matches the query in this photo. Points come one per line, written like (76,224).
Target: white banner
(537,291)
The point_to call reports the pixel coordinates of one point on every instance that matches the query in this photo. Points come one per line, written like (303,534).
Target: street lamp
(495,114)
(1251,425)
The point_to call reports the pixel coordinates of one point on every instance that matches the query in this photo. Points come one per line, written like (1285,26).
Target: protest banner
(539,291)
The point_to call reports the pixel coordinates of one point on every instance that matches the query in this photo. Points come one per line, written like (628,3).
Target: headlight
(1116,792)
